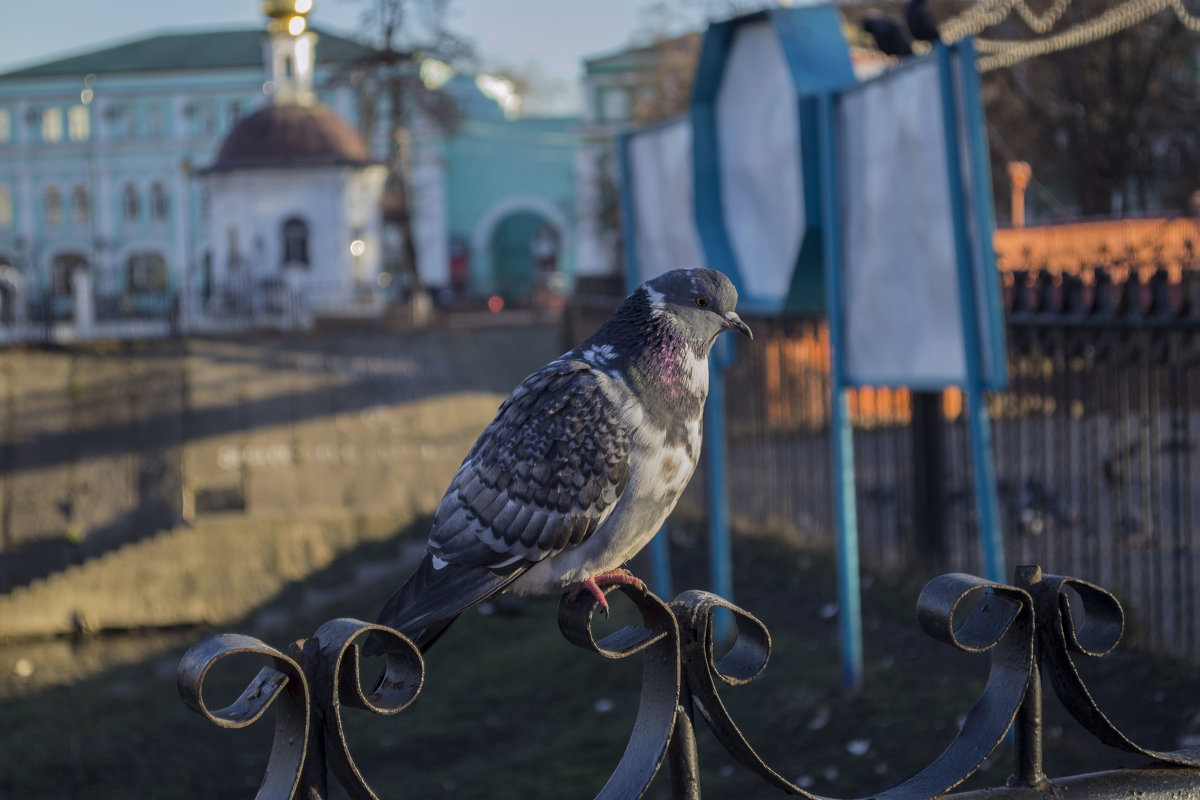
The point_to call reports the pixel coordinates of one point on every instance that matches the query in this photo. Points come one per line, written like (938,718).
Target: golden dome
(281,14)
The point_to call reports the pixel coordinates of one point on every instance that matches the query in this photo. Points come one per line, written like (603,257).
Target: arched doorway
(524,249)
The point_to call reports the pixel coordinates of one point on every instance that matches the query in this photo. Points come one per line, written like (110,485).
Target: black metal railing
(1031,630)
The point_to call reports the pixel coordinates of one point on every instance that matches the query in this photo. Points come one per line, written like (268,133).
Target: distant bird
(582,464)
(921,23)
(890,38)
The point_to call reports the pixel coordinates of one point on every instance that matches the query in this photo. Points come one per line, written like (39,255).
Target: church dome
(291,135)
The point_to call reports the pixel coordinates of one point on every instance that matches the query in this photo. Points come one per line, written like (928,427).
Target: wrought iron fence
(234,306)
(47,317)
(1031,630)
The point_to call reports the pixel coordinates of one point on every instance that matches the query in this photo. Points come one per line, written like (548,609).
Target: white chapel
(294,218)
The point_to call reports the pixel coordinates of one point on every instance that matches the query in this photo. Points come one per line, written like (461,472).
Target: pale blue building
(511,209)
(100,154)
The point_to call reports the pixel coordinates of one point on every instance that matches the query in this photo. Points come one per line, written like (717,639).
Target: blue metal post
(660,563)
(986,501)
(841,439)
(720,554)
(995,348)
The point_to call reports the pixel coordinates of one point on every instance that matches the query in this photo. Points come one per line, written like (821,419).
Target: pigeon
(921,22)
(890,38)
(580,467)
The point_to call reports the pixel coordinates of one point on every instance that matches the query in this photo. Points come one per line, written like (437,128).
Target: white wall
(333,201)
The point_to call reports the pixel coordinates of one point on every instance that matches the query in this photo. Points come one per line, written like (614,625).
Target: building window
(122,121)
(79,123)
(52,202)
(80,206)
(6,131)
(6,207)
(52,124)
(158,202)
(616,106)
(154,121)
(295,241)
(131,203)
(146,272)
(62,269)
(205,119)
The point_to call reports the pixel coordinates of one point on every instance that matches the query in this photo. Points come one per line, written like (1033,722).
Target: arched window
(146,272)
(158,202)
(52,124)
(295,241)
(79,123)
(53,202)
(131,203)
(80,205)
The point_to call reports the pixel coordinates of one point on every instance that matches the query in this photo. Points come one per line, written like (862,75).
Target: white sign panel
(900,292)
(661,181)
(758,136)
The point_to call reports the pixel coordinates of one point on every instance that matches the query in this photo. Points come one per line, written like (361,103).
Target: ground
(509,709)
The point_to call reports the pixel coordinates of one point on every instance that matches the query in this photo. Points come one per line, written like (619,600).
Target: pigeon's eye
(702,301)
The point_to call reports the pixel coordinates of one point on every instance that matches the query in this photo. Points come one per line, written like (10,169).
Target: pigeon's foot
(596,584)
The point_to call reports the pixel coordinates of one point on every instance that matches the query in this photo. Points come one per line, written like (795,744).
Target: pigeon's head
(700,301)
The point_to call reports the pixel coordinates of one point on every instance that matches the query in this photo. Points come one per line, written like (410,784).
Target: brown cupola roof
(291,135)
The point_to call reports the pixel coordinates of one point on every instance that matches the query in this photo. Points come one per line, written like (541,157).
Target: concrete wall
(180,481)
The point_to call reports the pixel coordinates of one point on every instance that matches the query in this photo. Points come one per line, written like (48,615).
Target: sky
(552,34)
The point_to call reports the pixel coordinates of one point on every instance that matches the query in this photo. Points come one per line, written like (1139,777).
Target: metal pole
(1027,728)
(991,544)
(720,553)
(660,562)
(841,442)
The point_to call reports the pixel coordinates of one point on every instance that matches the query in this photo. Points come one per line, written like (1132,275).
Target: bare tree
(402,34)
(666,88)
(1110,126)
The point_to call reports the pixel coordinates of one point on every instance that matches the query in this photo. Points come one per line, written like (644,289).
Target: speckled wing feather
(542,477)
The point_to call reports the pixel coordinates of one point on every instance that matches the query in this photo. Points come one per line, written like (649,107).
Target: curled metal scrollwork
(658,639)
(334,675)
(1019,627)
(308,686)
(1093,628)
(284,682)
(1001,623)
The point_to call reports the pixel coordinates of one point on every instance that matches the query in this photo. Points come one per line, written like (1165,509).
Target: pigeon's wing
(542,477)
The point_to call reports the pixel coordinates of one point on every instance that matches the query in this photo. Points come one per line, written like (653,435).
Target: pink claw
(595,585)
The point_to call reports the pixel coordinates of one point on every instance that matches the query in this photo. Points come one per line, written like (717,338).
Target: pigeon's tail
(432,598)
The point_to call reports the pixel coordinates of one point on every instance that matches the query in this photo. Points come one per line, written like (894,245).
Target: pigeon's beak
(732,320)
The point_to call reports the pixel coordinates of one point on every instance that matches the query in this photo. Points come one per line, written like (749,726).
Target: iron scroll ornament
(309,686)
(1019,627)
(1063,631)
